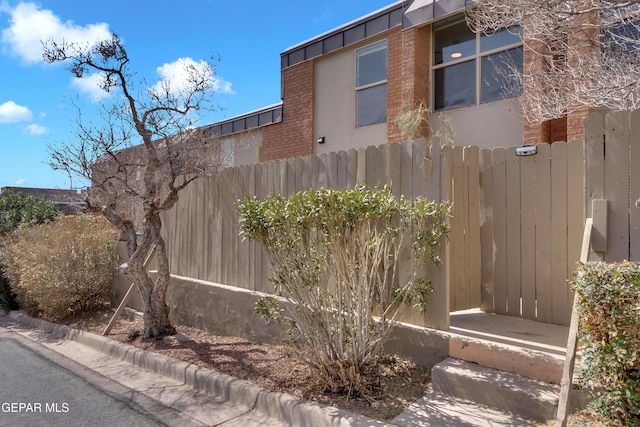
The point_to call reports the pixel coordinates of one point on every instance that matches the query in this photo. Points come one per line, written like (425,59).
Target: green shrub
(609,308)
(16,209)
(334,255)
(61,268)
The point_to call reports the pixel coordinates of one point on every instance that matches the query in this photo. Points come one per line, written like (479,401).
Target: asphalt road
(41,388)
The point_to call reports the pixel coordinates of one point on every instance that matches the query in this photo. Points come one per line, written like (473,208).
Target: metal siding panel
(296,57)
(277,115)
(355,34)
(265,118)
(314,50)
(239,125)
(333,42)
(226,128)
(395,17)
(377,25)
(252,121)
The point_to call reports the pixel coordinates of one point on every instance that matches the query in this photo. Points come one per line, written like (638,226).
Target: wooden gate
(531,229)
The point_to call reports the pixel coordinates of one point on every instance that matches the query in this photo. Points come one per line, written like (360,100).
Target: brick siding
(293,137)
(408,75)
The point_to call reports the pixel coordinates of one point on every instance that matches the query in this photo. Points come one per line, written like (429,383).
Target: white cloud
(10,112)
(176,75)
(221,85)
(30,26)
(90,85)
(35,130)
(20,181)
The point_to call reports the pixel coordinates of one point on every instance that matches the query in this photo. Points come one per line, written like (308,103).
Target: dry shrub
(62,268)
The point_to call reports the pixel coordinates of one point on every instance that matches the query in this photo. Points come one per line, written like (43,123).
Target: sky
(37,99)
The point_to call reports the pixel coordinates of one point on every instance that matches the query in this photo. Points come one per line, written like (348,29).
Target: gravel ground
(269,366)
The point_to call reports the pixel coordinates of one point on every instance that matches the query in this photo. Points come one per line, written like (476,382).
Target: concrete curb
(283,407)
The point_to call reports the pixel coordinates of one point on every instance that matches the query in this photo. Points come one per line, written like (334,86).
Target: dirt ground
(273,368)
(269,366)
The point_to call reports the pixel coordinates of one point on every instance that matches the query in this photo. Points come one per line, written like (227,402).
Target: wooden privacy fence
(612,143)
(516,224)
(202,232)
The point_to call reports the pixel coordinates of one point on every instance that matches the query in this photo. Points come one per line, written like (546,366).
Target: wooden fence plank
(499,231)
(307,172)
(634,191)
(421,167)
(513,237)
(253,247)
(594,162)
(393,167)
(207,229)
(474,273)
(459,298)
(352,168)
(406,265)
(575,207)
(616,166)
(217,228)
(528,236)
(342,170)
(372,172)
(406,170)
(299,164)
(468,292)
(561,311)
(291,177)
(543,232)
(361,174)
(486,230)
(244,273)
(332,169)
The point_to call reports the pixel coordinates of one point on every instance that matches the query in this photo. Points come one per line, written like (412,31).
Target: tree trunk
(156,311)
(156,317)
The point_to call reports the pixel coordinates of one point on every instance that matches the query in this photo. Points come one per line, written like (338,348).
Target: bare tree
(581,53)
(143,153)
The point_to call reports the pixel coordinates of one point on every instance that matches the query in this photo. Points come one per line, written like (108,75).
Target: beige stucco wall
(495,124)
(335,106)
(241,148)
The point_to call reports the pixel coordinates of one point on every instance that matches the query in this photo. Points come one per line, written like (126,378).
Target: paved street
(55,391)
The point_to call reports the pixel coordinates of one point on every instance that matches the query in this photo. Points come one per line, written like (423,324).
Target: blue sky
(36,98)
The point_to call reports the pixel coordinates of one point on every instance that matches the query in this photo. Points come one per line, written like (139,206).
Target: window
(371,84)
(469,68)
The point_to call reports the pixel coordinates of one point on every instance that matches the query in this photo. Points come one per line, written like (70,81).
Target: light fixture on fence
(320,140)
(526,150)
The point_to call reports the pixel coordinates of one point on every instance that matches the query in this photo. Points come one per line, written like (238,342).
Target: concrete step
(437,409)
(533,364)
(503,391)
(524,347)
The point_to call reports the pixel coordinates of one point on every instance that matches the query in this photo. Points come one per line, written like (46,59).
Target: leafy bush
(334,254)
(19,208)
(609,308)
(61,268)
(16,209)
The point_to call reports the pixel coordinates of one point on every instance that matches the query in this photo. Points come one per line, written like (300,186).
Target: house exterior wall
(490,125)
(335,104)
(294,135)
(320,102)
(242,148)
